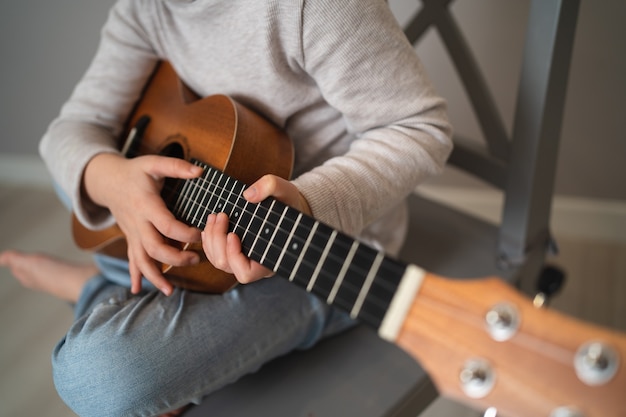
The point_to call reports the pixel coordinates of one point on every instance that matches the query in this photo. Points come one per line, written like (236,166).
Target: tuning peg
(477,378)
(596,363)
(502,321)
(549,283)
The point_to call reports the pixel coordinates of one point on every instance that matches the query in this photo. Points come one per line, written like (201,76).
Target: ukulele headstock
(485,344)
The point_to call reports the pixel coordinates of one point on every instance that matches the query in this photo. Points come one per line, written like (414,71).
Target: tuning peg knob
(477,378)
(596,363)
(502,321)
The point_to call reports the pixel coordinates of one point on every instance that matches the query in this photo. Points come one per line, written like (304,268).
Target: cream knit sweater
(337,75)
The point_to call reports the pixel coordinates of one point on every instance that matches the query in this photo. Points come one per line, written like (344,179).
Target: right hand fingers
(139,265)
(141,212)
(145,245)
(156,247)
(159,167)
(146,251)
(166,224)
(131,190)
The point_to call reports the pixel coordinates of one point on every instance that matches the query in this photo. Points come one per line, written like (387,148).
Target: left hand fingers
(223,250)
(244,269)
(214,241)
(279,188)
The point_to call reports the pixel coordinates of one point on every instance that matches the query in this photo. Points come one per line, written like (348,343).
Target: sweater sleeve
(366,68)
(93,117)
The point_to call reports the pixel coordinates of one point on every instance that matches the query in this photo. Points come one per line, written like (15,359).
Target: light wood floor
(31,323)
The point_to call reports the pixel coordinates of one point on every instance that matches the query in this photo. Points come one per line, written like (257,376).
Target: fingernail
(166,291)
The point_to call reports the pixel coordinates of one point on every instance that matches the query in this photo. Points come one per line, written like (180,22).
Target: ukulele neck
(324,261)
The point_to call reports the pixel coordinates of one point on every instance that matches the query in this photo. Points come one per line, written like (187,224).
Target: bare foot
(59,278)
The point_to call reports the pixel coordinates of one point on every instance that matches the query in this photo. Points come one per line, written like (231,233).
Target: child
(345,85)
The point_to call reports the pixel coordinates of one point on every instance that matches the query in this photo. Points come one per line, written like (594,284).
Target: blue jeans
(143,355)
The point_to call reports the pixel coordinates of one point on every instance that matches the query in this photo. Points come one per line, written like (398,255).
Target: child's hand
(130,189)
(223,249)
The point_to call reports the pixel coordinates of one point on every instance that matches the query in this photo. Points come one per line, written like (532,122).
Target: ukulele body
(215,130)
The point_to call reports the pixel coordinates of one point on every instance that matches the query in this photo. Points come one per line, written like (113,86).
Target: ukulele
(481,341)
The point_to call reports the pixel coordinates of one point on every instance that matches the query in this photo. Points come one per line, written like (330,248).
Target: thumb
(279,188)
(163,166)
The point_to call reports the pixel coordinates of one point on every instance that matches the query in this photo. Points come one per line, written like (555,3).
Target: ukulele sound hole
(172,186)
(174,150)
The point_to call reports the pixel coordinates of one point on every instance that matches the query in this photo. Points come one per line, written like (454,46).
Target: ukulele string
(239,197)
(213,189)
(554,351)
(346,286)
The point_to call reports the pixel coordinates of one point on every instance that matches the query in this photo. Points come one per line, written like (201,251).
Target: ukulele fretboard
(324,261)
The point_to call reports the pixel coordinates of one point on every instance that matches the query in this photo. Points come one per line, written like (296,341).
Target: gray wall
(46,46)
(592,159)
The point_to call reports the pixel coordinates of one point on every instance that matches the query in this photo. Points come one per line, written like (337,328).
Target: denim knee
(99,370)
(143,356)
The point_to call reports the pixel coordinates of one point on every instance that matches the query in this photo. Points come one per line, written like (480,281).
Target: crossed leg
(59,278)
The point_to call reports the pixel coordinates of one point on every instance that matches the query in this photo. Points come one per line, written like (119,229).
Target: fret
(250,216)
(312,237)
(333,263)
(303,251)
(355,277)
(249,230)
(280,266)
(381,292)
(366,286)
(321,261)
(309,273)
(294,247)
(205,194)
(265,230)
(233,200)
(243,218)
(187,202)
(196,200)
(192,203)
(210,186)
(274,241)
(177,210)
(197,191)
(253,230)
(221,187)
(342,273)
(178,207)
